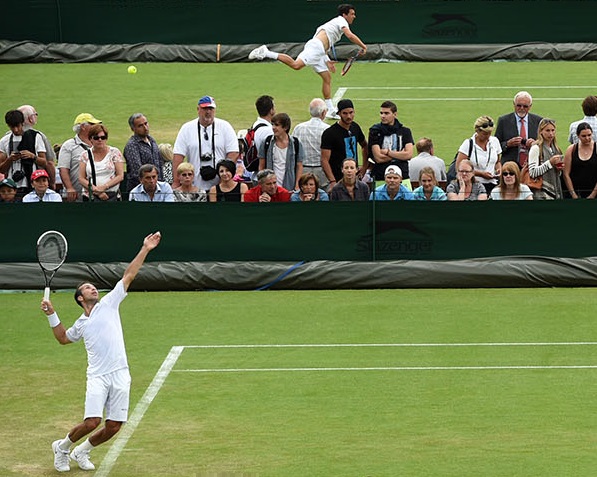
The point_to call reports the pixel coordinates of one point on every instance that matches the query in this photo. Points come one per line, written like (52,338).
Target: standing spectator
(580,165)
(166,156)
(485,153)
(21,152)
(267,189)
(102,167)
(187,191)
(546,161)
(70,156)
(8,191)
(425,158)
(510,187)
(283,153)
(228,190)
(465,186)
(205,141)
(341,140)
(149,188)
(391,143)
(309,134)
(428,190)
(514,129)
(589,108)
(392,189)
(31,117)
(314,53)
(41,188)
(350,188)
(140,149)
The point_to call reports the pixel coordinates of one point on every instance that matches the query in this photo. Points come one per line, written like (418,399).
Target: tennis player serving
(315,54)
(108,378)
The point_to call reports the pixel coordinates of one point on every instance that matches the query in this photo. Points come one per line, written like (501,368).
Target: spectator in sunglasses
(101,168)
(517,131)
(484,155)
(187,191)
(510,187)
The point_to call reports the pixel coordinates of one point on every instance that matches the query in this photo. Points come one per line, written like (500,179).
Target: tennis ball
(132,70)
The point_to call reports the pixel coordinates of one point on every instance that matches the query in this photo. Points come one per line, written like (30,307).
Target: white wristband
(53,320)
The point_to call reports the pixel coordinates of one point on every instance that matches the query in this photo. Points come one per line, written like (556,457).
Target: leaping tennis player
(108,378)
(315,54)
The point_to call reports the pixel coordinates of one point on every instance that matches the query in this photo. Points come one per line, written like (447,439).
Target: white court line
(517,88)
(391,345)
(462,98)
(139,411)
(339,95)
(379,368)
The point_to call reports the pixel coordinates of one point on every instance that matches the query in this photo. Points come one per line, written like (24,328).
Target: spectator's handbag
(533,183)
(112,196)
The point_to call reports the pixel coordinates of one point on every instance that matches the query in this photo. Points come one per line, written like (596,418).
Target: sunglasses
(99,138)
(488,124)
(508,173)
(525,106)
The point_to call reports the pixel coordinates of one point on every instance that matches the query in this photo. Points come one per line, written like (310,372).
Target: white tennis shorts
(109,392)
(314,55)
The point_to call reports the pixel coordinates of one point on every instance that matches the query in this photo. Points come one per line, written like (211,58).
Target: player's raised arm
(57,327)
(149,243)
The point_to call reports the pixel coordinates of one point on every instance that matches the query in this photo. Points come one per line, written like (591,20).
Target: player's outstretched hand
(46,307)
(152,240)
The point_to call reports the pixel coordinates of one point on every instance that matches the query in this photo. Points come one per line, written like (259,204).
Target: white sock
(330,105)
(65,443)
(86,446)
(271,55)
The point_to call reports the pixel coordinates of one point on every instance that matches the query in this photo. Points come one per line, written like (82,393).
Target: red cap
(39,173)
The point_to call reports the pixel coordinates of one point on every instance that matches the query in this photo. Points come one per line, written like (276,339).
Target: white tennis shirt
(333,29)
(102,333)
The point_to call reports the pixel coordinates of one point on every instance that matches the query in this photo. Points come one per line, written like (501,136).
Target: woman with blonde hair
(510,187)
(484,154)
(167,154)
(546,161)
(187,191)
(428,190)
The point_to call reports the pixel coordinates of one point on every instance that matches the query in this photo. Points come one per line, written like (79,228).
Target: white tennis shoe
(258,53)
(332,114)
(61,462)
(81,457)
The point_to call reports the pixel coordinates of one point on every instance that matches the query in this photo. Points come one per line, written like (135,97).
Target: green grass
(491,422)
(168,92)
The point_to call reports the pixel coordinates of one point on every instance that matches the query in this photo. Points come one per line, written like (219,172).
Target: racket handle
(47,293)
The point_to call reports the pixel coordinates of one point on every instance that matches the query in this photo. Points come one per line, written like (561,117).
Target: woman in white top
(510,187)
(485,153)
(107,167)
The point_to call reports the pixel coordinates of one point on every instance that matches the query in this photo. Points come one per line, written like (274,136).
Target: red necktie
(523,153)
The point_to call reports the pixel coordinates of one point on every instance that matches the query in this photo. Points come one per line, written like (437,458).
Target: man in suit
(517,131)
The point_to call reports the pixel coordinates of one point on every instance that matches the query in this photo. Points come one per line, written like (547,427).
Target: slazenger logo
(449,25)
(397,238)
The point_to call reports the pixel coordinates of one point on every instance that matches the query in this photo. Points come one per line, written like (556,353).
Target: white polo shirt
(102,333)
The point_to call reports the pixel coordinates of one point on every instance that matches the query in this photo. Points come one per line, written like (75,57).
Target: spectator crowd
(514,158)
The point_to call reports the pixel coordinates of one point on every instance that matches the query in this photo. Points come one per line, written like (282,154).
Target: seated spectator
(465,186)
(149,188)
(349,187)
(41,192)
(283,153)
(8,191)
(267,189)
(167,154)
(425,158)
(428,190)
(510,187)
(187,191)
(309,189)
(393,188)
(101,168)
(228,190)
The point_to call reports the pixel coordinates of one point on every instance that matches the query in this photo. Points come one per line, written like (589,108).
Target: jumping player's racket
(350,61)
(52,248)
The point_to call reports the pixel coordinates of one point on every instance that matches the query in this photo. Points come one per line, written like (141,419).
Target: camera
(207,173)
(523,141)
(18,176)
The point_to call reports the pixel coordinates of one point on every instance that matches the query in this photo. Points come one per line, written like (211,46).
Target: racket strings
(51,252)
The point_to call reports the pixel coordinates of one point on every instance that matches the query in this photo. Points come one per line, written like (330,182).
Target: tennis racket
(52,248)
(350,61)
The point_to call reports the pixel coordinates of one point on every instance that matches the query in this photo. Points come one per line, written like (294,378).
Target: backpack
(451,174)
(248,149)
